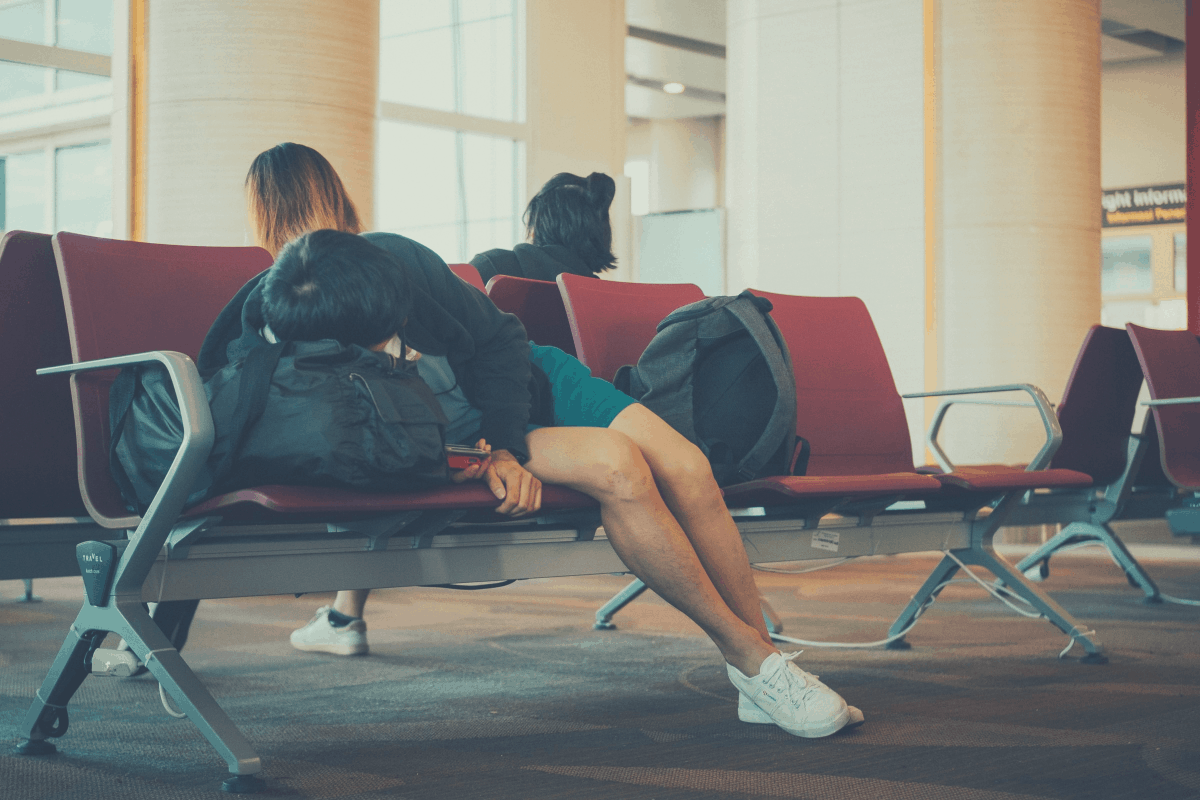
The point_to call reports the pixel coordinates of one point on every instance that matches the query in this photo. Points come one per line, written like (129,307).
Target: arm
(1045,410)
(487,348)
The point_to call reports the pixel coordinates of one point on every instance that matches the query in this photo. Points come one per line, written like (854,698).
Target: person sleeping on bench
(661,508)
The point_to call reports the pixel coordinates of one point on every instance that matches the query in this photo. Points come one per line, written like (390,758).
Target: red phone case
(462,462)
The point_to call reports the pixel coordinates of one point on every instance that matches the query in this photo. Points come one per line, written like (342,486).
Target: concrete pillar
(576,100)
(227,79)
(1018,283)
(824,166)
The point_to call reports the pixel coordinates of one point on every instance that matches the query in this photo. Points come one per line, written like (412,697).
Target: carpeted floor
(509,693)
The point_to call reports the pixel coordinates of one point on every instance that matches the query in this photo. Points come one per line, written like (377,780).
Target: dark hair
(292,189)
(330,284)
(573,212)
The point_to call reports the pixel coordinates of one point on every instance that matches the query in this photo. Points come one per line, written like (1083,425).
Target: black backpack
(718,371)
(298,413)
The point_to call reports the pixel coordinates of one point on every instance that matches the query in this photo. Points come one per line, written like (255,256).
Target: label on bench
(825,540)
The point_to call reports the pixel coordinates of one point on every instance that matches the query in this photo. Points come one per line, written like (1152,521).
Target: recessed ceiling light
(673,88)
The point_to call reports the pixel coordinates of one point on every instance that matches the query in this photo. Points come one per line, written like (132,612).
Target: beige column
(1018,282)
(824,162)
(576,99)
(227,79)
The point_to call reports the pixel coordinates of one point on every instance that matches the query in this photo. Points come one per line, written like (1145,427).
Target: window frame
(517,132)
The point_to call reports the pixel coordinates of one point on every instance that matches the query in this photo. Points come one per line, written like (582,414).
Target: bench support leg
(621,599)
(127,619)
(29,596)
(984,556)
(1078,532)
(929,590)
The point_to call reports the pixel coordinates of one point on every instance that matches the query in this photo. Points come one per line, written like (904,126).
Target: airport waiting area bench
(130,302)
(42,516)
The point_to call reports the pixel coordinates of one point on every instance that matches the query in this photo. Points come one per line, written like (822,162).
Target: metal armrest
(198,436)
(1040,402)
(1171,401)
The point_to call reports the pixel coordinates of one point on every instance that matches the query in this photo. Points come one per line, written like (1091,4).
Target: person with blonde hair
(661,508)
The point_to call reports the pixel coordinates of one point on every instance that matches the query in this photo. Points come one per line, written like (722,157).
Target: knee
(687,471)
(619,472)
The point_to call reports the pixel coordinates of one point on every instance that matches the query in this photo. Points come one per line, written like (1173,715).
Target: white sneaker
(322,636)
(795,700)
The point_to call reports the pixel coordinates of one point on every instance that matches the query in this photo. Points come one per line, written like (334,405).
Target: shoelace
(780,683)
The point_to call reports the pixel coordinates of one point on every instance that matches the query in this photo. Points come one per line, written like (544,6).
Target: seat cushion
(326,502)
(782,489)
(1001,477)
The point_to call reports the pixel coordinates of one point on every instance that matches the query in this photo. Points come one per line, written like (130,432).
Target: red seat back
(847,406)
(37,436)
(1171,364)
(468,273)
(124,298)
(1098,406)
(613,321)
(539,306)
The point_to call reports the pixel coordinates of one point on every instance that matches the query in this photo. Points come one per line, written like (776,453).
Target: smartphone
(461,457)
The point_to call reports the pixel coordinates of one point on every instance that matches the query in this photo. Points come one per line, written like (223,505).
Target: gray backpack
(718,371)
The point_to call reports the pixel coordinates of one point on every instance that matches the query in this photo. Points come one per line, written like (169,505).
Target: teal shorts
(580,400)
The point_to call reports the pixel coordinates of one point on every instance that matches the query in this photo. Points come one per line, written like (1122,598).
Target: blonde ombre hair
(290,190)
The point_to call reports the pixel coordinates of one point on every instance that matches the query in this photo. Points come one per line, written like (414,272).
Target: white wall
(825,162)
(1143,123)
(685,158)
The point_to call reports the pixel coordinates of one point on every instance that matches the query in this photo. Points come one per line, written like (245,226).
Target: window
(25,192)
(58,189)
(83,189)
(450,169)
(462,56)
(461,196)
(1125,265)
(55,116)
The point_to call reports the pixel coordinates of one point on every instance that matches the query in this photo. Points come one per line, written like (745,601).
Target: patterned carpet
(509,693)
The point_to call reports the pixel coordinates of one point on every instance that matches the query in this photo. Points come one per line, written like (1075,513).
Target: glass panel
(85,25)
(21,80)
(454,55)
(72,80)
(1181,262)
(487,68)
(492,192)
(1125,265)
(398,17)
(83,189)
(457,193)
(417,69)
(24,20)
(25,192)
(416,190)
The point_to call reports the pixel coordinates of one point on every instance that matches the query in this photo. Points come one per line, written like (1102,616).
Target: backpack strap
(254,384)
(753,312)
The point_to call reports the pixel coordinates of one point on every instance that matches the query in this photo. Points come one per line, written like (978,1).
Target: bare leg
(686,481)
(607,465)
(351,602)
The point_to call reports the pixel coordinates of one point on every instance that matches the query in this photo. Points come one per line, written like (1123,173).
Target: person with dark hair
(660,505)
(568,228)
(333,285)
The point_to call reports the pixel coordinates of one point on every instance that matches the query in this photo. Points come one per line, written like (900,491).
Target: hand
(475,471)
(512,483)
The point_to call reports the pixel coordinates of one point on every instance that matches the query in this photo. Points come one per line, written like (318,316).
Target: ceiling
(683,41)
